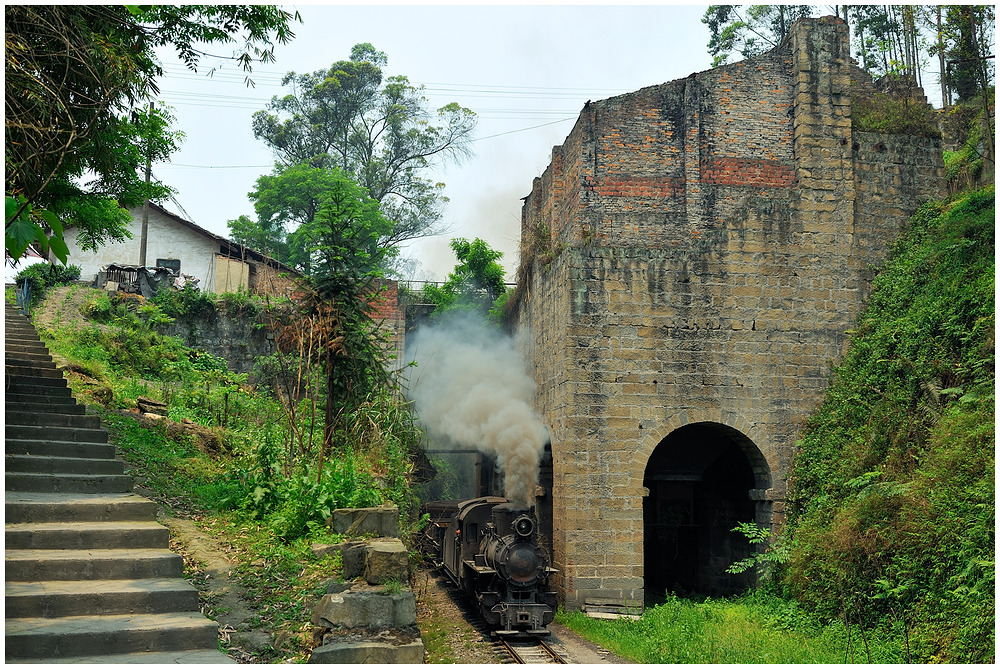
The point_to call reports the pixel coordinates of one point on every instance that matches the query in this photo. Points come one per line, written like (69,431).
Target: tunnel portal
(700,479)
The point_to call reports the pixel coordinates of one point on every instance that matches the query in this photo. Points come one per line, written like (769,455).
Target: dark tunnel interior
(699,479)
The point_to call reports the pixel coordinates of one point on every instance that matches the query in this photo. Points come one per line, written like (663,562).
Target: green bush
(42,276)
(893,115)
(240,303)
(891,507)
(301,503)
(186,303)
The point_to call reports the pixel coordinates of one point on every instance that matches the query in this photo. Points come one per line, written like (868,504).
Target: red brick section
(384,304)
(747,172)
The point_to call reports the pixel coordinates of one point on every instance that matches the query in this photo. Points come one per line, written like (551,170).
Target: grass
(755,628)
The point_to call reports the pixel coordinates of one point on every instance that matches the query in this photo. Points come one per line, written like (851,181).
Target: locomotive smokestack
(471,387)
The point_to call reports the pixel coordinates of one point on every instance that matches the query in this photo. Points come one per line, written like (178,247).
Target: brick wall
(712,238)
(387,314)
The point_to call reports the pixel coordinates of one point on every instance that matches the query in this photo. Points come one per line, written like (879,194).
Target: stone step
(163,657)
(27,351)
(95,635)
(14,328)
(27,507)
(55,395)
(14,342)
(60,449)
(51,599)
(61,536)
(93,483)
(47,464)
(22,383)
(29,359)
(56,433)
(91,564)
(49,419)
(43,393)
(31,370)
(21,335)
(61,405)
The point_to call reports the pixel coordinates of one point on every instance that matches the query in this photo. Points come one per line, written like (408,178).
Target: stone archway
(703,479)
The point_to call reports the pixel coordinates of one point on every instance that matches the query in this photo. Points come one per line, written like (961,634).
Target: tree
(749,30)
(287,203)
(969,29)
(75,79)
(248,232)
(886,39)
(475,284)
(376,130)
(341,246)
(342,241)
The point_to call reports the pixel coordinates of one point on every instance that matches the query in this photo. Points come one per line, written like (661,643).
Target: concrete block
(381,521)
(387,560)
(367,610)
(353,556)
(369,652)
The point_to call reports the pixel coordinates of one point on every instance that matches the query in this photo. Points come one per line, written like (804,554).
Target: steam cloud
(470,387)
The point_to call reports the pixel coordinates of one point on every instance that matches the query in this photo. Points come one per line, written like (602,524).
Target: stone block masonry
(709,244)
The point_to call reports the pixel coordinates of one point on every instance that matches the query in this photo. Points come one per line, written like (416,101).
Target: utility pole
(145,203)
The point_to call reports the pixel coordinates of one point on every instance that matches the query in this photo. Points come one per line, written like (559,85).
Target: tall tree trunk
(328,419)
(945,90)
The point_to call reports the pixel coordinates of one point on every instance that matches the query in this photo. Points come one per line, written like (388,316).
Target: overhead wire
(267,79)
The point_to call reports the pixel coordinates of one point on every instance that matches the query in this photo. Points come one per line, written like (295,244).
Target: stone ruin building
(691,261)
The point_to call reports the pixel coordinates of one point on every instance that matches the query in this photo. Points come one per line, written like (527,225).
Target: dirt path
(222,597)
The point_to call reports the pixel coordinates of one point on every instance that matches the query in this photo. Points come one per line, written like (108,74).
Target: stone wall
(705,247)
(238,339)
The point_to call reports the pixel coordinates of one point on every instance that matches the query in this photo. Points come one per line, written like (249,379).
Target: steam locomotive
(489,548)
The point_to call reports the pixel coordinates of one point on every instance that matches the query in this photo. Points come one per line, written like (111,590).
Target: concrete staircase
(89,576)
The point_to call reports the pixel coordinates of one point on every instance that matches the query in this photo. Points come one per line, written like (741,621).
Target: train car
(489,548)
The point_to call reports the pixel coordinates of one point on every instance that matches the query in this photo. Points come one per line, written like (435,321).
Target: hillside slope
(892,509)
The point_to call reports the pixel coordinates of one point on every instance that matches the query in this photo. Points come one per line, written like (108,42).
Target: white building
(220,265)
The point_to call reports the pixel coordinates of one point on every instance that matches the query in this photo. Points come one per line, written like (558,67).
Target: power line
(511,132)
(478,139)
(218,167)
(473,90)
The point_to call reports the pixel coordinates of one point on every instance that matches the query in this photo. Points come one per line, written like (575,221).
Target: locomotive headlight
(524,526)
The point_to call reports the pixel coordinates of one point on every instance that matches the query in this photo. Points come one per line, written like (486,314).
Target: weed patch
(755,628)
(892,508)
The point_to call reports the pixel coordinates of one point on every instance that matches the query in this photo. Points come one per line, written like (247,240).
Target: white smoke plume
(470,386)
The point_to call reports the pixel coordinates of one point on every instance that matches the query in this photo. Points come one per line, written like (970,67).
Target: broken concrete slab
(380,521)
(368,610)
(369,652)
(386,560)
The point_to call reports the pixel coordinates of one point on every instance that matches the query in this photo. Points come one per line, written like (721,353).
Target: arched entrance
(700,479)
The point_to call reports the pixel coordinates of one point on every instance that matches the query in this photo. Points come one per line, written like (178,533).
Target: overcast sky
(525,70)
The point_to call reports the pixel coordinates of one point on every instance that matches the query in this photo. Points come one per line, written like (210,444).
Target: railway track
(531,651)
(510,651)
